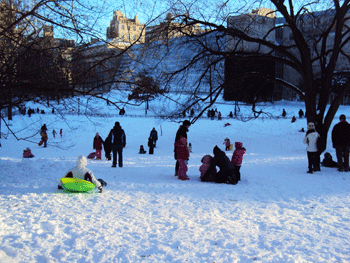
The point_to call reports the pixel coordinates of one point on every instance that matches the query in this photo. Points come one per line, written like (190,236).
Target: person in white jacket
(80,171)
(310,139)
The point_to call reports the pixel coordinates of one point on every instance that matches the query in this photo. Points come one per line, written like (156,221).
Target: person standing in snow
(227,144)
(118,141)
(97,145)
(182,155)
(237,159)
(80,171)
(182,131)
(310,139)
(154,136)
(54,133)
(151,145)
(341,143)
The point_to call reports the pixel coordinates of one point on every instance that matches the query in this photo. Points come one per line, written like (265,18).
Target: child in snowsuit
(227,144)
(61,132)
(80,171)
(27,153)
(44,138)
(226,173)
(328,161)
(151,145)
(207,160)
(97,145)
(237,159)
(311,140)
(142,150)
(182,155)
(54,133)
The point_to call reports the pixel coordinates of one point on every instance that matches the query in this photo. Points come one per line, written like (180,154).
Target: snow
(277,213)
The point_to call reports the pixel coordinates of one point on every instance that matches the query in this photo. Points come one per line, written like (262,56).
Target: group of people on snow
(316,144)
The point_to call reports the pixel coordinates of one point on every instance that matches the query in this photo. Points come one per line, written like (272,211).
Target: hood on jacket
(82,161)
(206,159)
(238,145)
(117,125)
(217,150)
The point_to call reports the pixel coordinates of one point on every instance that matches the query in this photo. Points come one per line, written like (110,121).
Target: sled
(41,142)
(91,155)
(77,185)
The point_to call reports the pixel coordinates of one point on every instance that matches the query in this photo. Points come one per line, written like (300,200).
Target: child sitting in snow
(80,171)
(328,161)
(142,150)
(27,153)
(237,158)
(207,160)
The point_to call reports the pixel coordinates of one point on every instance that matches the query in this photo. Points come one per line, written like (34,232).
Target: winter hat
(27,149)
(186,122)
(310,126)
(238,145)
(342,117)
(117,124)
(82,161)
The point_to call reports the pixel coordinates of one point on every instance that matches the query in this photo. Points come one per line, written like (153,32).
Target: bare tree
(314,45)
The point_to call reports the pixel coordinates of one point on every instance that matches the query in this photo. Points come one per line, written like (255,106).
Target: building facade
(124,31)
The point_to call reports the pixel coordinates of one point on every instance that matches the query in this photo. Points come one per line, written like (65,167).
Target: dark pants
(237,172)
(150,150)
(223,176)
(312,158)
(343,157)
(117,150)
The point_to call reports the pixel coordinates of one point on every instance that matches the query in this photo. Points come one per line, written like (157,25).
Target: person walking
(341,143)
(118,140)
(154,136)
(182,131)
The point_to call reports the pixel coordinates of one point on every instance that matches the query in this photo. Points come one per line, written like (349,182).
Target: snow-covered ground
(277,213)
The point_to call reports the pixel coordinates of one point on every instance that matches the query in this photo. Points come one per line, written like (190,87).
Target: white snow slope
(277,213)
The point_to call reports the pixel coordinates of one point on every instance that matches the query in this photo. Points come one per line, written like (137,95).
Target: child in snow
(27,153)
(44,138)
(142,150)
(151,145)
(311,140)
(227,144)
(207,160)
(182,155)
(80,171)
(61,132)
(54,133)
(237,159)
(328,161)
(97,145)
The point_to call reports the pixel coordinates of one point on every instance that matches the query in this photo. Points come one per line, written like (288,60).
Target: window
(134,37)
(122,26)
(140,27)
(128,36)
(134,28)
(122,36)
(128,27)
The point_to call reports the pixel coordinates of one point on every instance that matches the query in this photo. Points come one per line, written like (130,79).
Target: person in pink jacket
(27,153)
(97,145)
(207,160)
(182,155)
(237,158)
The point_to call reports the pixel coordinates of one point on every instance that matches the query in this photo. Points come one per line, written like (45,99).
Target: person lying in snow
(80,171)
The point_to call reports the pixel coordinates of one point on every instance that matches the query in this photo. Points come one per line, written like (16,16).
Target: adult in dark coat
(107,145)
(227,169)
(118,141)
(154,136)
(182,131)
(341,143)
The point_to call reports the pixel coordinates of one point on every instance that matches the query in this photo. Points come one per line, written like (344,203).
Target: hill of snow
(277,213)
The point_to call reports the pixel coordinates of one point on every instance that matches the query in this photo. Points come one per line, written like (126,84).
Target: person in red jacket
(237,158)
(182,155)
(97,145)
